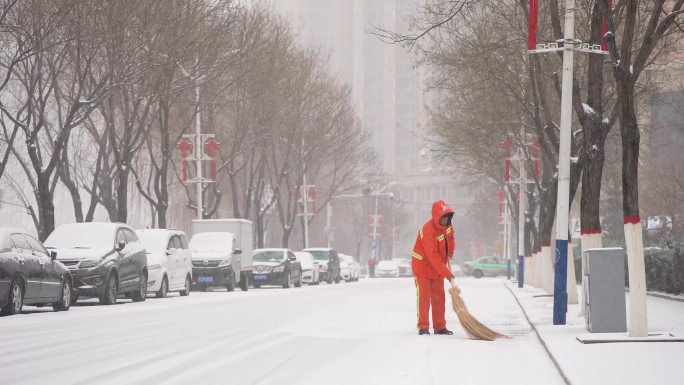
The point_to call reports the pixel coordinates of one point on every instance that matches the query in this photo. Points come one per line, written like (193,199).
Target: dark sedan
(105,259)
(276,267)
(29,275)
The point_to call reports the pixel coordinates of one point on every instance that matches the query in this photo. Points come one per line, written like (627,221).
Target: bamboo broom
(472,327)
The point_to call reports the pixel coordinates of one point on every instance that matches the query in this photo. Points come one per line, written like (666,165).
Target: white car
(169,261)
(350,270)
(311,272)
(404,267)
(387,269)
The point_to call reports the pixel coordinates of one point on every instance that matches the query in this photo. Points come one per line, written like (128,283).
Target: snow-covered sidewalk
(608,363)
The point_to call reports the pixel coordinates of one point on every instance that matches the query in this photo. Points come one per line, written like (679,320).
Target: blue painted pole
(560,284)
(520,269)
(508,275)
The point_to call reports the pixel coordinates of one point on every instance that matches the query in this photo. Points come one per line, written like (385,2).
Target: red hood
(440,208)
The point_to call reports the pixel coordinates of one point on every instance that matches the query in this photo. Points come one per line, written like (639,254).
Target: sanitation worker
(431,254)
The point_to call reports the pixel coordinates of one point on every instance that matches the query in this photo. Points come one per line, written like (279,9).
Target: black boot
(444,331)
(423,332)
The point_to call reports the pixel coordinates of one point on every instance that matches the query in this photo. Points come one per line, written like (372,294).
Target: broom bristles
(474,328)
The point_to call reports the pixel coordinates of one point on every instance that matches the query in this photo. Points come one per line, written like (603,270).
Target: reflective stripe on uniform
(417,256)
(440,238)
(448,231)
(421,233)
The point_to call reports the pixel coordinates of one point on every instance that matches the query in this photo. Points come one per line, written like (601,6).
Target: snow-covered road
(351,333)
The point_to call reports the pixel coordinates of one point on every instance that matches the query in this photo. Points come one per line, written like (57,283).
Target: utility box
(604,294)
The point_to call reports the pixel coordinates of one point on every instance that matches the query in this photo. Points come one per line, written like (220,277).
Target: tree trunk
(46,207)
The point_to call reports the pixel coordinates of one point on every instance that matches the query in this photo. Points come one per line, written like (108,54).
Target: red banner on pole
(604,44)
(532,31)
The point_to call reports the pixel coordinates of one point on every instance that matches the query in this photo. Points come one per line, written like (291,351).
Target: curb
(546,348)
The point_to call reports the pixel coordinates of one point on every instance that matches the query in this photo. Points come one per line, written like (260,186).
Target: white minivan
(169,262)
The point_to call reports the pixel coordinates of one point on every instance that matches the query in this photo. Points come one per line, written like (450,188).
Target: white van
(221,253)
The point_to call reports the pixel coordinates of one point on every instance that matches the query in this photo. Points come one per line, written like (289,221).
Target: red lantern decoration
(535,153)
(184,146)
(211,147)
(507,145)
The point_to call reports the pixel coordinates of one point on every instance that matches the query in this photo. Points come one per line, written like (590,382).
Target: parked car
(105,259)
(329,262)
(311,272)
(349,268)
(169,262)
(224,257)
(404,267)
(387,269)
(29,275)
(276,267)
(213,260)
(487,266)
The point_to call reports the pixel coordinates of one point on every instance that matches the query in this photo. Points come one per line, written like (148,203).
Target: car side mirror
(237,251)
(171,252)
(53,255)
(120,246)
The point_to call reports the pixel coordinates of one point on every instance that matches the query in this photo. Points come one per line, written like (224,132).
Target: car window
(171,244)
(120,236)
(37,247)
(20,243)
(176,242)
(130,236)
(184,241)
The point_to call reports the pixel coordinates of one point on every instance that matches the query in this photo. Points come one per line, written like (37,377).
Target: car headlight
(90,263)
(224,262)
(279,269)
(93,281)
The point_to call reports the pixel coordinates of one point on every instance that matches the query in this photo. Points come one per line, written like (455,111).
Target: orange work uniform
(432,251)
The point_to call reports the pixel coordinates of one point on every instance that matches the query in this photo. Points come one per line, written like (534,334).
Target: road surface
(350,333)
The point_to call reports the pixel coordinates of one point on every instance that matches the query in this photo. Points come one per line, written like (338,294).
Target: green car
(489,266)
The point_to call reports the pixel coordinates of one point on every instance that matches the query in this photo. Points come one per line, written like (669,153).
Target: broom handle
(451,280)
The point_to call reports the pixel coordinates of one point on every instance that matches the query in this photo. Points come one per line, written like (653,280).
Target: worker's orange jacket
(434,246)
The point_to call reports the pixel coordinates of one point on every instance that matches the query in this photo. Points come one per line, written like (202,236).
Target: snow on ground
(610,363)
(351,333)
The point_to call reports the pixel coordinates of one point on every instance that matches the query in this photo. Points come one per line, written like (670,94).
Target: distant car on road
(350,270)
(276,267)
(105,259)
(29,275)
(387,269)
(169,262)
(404,267)
(310,271)
(329,261)
(487,266)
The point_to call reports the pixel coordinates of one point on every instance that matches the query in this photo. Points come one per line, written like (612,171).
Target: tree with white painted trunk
(637,45)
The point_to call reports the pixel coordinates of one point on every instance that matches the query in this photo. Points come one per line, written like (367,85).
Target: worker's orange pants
(430,292)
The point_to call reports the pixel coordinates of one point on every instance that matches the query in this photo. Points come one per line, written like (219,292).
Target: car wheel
(286,284)
(186,292)
(298,283)
(15,299)
(108,297)
(244,281)
(65,300)
(163,289)
(231,282)
(478,274)
(140,294)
